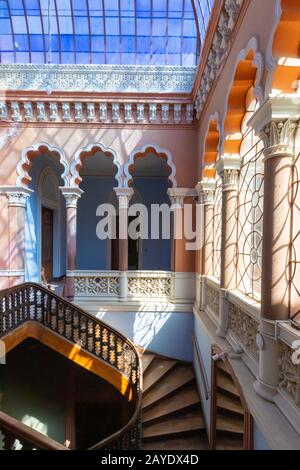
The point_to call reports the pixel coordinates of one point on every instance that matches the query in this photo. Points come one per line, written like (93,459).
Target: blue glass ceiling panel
(148,32)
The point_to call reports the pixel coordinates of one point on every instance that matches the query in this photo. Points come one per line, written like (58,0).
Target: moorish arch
(248,75)
(283,57)
(39,149)
(211,149)
(142,152)
(89,151)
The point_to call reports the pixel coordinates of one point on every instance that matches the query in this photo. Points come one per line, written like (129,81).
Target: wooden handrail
(201,366)
(26,433)
(34,302)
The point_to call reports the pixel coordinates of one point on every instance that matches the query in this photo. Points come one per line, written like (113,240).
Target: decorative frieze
(289,373)
(96,285)
(97,78)
(159,287)
(219,49)
(93,111)
(244,329)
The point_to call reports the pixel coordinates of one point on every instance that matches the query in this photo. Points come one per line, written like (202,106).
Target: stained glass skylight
(133,32)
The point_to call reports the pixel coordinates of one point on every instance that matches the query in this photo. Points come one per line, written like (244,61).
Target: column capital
(207,188)
(228,167)
(71,195)
(276,122)
(124,195)
(177,195)
(17,195)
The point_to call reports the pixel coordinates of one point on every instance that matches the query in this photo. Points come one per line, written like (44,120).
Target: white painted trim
(76,163)
(271,61)
(11,273)
(24,163)
(220,126)
(143,149)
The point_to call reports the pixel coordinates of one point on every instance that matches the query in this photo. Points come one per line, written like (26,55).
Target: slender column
(71,196)
(228,168)
(17,197)
(205,190)
(275,121)
(177,196)
(124,195)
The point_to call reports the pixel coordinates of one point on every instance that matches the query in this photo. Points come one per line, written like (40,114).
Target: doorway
(47,242)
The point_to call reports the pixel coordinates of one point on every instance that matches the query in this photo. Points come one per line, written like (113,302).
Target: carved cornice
(17,195)
(95,112)
(97,78)
(218,50)
(71,196)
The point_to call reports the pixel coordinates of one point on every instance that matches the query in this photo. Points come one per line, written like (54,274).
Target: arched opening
(96,173)
(286,49)
(150,175)
(45,227)
(244,79)
(212,142)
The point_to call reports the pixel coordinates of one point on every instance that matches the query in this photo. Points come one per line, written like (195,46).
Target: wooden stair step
(157,369)
(146,361)
(229,443)
(230,424)
(182,399)
(186,422)
(225,383)
(229,403)
(197,442)
(179,376)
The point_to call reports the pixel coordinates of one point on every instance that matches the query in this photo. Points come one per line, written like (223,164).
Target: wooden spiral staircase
(32,311)
(171,410)
(231,419)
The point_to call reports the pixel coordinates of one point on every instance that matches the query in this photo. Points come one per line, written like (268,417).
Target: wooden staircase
(230,415)
(171,411)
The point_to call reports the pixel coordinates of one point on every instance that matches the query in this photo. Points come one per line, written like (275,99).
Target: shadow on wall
(156,328)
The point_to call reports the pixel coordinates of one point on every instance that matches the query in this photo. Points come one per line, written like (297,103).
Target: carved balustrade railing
(32,302)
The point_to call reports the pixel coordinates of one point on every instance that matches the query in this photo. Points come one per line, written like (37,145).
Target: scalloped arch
(212,145)
(88,151)
(248,74)
(23,167)
(160,153)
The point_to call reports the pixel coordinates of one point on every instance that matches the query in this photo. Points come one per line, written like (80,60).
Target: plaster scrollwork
(244,328)
(17,195)
(149,286)
(96,285)
(66,110)
(207,188)
(177,113)
(116,112)
(289,373)
(165,113)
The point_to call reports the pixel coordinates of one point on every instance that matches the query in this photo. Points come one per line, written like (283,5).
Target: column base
(123,286)
(265,391)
